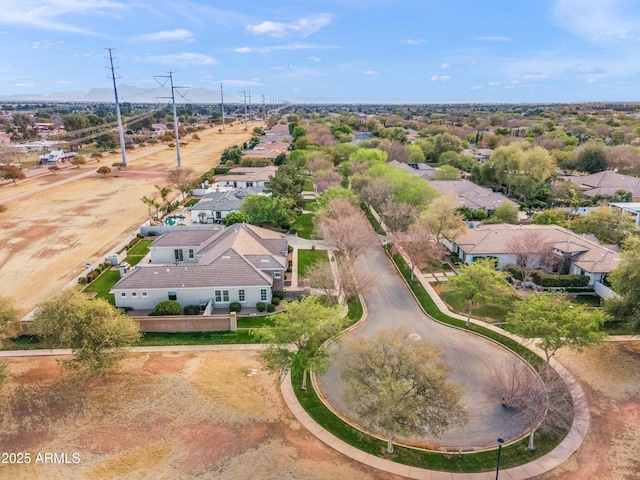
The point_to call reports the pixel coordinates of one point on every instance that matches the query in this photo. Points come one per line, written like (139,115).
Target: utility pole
(250,113)
(173,101)
(264,113)
(245,110)
(222,105)
(115,90)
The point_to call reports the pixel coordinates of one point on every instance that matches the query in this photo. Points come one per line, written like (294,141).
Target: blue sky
(350,50)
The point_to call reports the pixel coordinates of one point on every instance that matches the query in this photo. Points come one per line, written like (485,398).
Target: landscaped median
(450,460)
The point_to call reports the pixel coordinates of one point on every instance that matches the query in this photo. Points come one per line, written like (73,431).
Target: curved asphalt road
(390,303)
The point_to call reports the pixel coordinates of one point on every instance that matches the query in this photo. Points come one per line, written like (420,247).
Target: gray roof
(222,201)
(183,238)
(468,194)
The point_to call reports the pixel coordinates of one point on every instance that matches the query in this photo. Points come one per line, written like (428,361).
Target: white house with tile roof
(586,256)
(241,263)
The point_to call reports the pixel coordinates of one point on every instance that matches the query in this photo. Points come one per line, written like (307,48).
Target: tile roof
(606,183)
(183,238)
(468,194)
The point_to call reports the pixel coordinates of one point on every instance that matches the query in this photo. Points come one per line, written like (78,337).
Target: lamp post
(500,442)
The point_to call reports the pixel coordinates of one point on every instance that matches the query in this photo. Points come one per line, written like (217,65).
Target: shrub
(167,307)
(293,231)
(235,307)
(271,308)
(221,170)
(140,235)
(133,242)
(151,233)
(261,306)
(171,145)
(191,310)
(279,294)
(92,275)
(82,280)
(547,280)
(275,301)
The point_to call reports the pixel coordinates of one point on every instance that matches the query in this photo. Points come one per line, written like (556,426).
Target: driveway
(389,304)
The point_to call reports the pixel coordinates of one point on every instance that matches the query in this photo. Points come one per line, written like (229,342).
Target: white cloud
(603,20)
(441,78)
(444,66)
(54,14)
(477,87)
(63,82)
(184,58)
(493,39)
(25,83)
(166,36)
(533,76)
(416,41)
(580,69)
(591,80)
(296,72)
(35,45)
(303,26)
(294,46)
(242,83)
(370,72)
(4,32)
(494,84)
(315,59)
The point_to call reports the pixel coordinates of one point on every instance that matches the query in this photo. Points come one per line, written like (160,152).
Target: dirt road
(54,224)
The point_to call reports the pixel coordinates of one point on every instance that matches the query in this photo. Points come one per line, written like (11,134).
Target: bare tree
(419,245)
(398,216)
(539,398)
(345,228)
(7,154)
(397,151)
(343,282)
(183,178)
(531,250)
(325,180)
(317,163)
(376,192)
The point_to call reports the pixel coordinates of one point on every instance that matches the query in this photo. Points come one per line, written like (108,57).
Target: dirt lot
(65,220)
(162,415)
(610,377)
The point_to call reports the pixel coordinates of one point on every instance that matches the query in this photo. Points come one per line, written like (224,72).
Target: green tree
(442,218)
(12,173)
(108,141)
(164,195)
(336,192)
(78,160)
(607,225)
(548,217)
(287,182)
(235,217)
(480,282)
(625,281)
(591,158)
(556,322)
(445,142)
(97,333)
(505,213)
(446,172)
(167,307)
(399,386)
(298,336)
(275,210)
(233,154)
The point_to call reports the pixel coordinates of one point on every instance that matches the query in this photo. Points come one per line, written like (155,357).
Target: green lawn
(306,258)
(304,225)
(311,206)
(103,284)
(197,338)
(308,185)
(140,248)
(258,321)
(490,312)
(372,220)
(588,300)
(192,202)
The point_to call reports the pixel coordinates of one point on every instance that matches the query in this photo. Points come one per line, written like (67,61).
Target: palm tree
(151,203)
(164,193)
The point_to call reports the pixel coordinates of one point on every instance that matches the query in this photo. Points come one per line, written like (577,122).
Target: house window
(241,296)
(263,294)
(277,274)
(225,295)
(218,215)
(249,184)
(134,294)
(218,296)
(144,294)
(123,294)
(191,255)
(178,254)
(172,295)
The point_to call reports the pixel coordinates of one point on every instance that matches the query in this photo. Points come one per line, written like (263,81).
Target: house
(241,263)
(607,183)
(246,177)
(470,195)
(632,208)
(269,150)
(583,254)
(215,206)
(421,170)
(478,154)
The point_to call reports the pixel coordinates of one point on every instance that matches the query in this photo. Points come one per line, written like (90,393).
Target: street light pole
(500,442)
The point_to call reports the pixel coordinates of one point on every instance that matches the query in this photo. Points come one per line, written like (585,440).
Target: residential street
(389,304)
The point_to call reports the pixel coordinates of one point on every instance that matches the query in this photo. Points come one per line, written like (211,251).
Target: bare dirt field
(610,378)
(162,416)
(54,224)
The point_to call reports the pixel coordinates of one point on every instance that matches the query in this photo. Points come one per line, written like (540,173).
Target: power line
(169,78)
(115,91)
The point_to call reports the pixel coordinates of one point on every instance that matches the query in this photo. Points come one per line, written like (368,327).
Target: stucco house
(607,183)
(583,253)
(241,263)
(216,205)
(470,195)
(246,177)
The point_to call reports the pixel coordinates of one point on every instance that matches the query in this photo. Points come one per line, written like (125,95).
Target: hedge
(548,280)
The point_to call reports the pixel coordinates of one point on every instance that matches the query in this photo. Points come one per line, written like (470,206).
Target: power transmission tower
(250,114)
(169,78)
(244,92)
(264,113)
(222,105)
(115,91)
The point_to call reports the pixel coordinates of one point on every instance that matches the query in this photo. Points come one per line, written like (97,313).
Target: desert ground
(54,224)
(162,416)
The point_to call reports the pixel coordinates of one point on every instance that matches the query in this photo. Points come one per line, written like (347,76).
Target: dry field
(610,378)
(162,416)
(65,220)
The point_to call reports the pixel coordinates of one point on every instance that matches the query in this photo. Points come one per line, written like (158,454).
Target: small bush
(171,145)
(133,242)
(271,308)
(221,170)
(261,306)
(275,301)
(235,307)
(293,231)
(151,233)
(279,294)
(140,235)
(548,280)
(167,307)
(191,310)
(92,275)
(82,281)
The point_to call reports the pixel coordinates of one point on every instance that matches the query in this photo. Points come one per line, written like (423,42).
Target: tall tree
(556,322)
(443,219)
(480,282)
(398,217)
(98,333)
(591,157)
(287,182)
(399,386)
(505,213)
(183,178)
(298,336)
(625,281)
(12,173)
(606,224)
